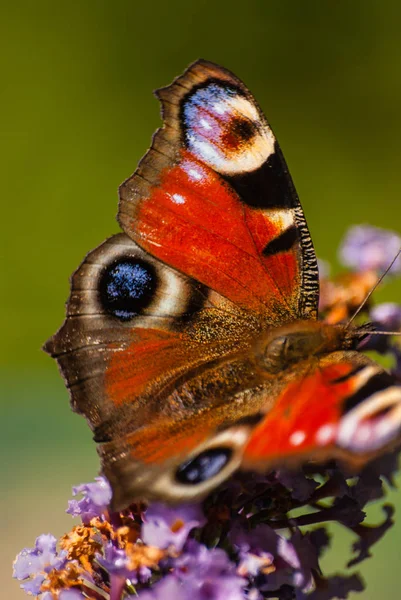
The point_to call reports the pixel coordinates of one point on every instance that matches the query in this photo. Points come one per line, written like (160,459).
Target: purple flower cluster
(255,537)
(240,544)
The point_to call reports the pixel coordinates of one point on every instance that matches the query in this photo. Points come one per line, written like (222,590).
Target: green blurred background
(77,113)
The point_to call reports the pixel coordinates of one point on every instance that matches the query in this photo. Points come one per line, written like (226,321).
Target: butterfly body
(191,342)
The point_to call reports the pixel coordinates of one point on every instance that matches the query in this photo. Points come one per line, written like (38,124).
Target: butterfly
(192,343)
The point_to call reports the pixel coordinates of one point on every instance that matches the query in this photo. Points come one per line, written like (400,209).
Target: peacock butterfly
(191,342)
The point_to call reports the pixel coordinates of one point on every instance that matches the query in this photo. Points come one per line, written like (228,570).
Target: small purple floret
(70,594)
(199,574)
(67,594)
(367,248)
(293,558)
(170,526)
(95,499)
(169,588)
(32,564)
(115,561)
(208,574)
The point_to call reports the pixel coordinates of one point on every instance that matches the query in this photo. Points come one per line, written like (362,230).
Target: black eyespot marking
(243,128)
(376,383)
(127,287)
(204,466)
(238,132)
(283,242)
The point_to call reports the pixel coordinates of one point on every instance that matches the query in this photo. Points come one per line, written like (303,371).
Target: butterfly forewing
(214,199)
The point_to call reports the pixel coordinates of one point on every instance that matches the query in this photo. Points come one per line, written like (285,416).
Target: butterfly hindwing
(342,406)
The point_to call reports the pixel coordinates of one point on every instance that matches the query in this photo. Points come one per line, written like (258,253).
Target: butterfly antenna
(368,295)
(374,332)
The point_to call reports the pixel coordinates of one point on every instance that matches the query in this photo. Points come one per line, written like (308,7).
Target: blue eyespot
(127,287)
(204,466)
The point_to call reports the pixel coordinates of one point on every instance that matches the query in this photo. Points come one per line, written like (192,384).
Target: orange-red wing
(150,366)
(344,409)
(213,199)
